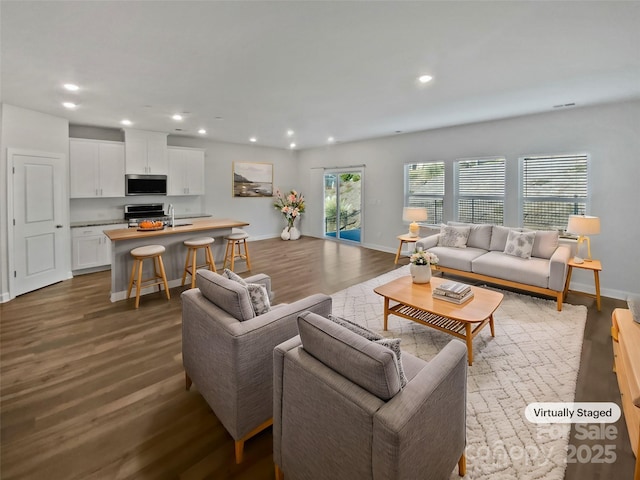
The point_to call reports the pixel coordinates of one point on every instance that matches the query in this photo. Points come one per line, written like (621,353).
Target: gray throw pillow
(391,343)
(231,275)
(259,298)
(520,244)
(355,328)
(394,345)
(453,236)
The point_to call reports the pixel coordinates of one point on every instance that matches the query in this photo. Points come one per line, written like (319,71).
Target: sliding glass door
(343,205)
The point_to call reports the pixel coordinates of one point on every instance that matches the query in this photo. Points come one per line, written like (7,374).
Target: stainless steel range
(134,214)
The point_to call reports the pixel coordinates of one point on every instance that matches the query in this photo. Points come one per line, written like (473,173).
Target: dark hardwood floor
(95,390)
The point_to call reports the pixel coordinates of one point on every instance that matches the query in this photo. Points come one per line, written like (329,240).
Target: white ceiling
(341,69)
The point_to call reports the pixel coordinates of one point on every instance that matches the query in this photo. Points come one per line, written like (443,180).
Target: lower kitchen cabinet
(90,248)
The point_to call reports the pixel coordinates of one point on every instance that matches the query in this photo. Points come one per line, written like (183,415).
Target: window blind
(480,187)
(424,187)
(553,187)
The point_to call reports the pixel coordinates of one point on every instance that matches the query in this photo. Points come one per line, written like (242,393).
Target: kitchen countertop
(197,225)
(95,223)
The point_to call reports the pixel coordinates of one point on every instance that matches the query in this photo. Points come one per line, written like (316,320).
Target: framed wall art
(252,179)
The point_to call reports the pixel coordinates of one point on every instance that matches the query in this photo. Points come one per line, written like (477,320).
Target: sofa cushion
(499,236)
(453,236)
(533,271)
(227,294)
(458,258)
(479,234)
(259,298)
(545,243)
(371,366)
(633,301)
(520,244)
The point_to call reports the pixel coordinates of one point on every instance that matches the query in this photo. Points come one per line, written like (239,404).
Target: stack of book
(453,292)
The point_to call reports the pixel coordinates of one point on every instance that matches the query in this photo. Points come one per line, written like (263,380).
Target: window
(424,187)
(553,187)
(480,190)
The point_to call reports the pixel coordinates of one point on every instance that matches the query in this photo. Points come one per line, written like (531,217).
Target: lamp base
(578,260)
(414,229)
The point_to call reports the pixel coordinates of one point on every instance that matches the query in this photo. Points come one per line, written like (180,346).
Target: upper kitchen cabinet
(96,168)
(186,171)
(146,152)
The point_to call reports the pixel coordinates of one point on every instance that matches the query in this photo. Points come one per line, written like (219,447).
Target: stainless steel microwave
(145,184)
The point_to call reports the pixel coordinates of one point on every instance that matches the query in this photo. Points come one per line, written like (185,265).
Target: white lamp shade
(583,225)
(414,214)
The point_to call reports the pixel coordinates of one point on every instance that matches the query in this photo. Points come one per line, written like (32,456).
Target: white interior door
(39,239)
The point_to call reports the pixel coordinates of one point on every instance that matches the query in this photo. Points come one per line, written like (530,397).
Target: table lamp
(414,215)
(583,225)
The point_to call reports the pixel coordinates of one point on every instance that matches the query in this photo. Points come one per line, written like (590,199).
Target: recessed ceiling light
(292,145)
(290,133)
(253,139)
(126,122)
(71,87)
(425,78)
(331,140)
(69,105)
(177,116)
(202,131)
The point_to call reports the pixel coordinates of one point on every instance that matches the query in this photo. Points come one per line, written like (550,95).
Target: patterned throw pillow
(520,244)
(231,275)
(394,345)
(355,328)
(259,298)
(453,236)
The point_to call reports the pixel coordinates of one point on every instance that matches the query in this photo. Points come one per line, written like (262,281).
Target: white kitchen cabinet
(186,171)
(90,247)
(96,168)
(146,152)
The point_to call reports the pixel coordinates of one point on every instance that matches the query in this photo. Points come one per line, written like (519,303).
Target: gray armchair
(227,351)
(340,412)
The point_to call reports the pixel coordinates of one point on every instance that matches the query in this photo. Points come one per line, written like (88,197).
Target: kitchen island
(126,239)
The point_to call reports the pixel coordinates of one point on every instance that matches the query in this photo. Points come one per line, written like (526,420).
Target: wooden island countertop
(181,227)
(124,240)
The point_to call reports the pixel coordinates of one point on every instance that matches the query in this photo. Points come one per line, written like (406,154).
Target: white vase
(285,235)
(420,273)
(294,233)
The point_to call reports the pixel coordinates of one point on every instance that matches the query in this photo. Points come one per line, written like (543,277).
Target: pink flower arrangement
(291,205)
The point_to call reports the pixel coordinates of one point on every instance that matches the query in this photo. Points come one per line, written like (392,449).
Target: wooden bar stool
(190,264)
(140,254)
(234,241)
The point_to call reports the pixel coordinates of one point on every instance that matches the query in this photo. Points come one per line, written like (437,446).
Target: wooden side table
(405,238)
(593,265)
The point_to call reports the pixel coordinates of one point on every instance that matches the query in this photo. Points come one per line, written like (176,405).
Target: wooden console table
(626,338)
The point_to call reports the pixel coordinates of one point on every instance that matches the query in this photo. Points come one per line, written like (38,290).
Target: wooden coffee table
(414,302)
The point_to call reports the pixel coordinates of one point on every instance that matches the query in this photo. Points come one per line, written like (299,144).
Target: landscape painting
(252,179)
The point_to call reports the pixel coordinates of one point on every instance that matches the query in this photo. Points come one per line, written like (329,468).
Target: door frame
(338,171)
(11,152)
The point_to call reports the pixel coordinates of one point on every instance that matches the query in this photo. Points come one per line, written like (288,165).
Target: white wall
(609,133)
(26,129)
(264,220)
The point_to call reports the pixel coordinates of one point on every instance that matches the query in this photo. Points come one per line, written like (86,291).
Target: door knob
(58,226)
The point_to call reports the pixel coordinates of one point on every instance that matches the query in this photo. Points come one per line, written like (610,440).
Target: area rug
(534,357)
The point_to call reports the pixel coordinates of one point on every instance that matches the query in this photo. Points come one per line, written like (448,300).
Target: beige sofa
(483,255)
